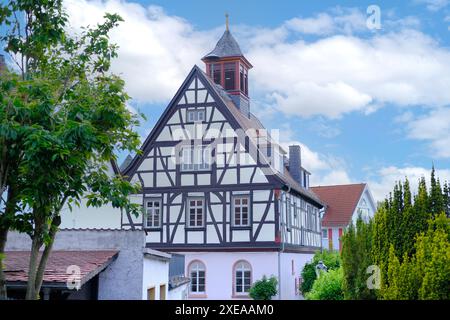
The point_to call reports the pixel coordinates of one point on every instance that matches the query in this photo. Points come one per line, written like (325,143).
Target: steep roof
(227,46)
(252,122)
(90,262)
(341,201)
(243,121)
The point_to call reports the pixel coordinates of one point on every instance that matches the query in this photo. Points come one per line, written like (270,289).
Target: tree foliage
(328,286)
(330,258)
(63,116)
(356,256)
(264,289)
(408,239)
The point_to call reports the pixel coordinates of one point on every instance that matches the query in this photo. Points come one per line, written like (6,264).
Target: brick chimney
(295,163)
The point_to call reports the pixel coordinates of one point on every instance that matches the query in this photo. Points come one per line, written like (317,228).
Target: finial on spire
(226,21)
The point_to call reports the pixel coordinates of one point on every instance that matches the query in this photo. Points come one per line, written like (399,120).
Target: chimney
(295,163)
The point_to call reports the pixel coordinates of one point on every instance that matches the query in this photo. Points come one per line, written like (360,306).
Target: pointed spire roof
(227,46)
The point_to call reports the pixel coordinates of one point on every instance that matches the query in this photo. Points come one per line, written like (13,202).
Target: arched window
(242,277)
(197,274)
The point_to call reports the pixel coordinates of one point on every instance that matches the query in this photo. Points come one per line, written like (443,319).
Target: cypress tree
(447,199)
(436,204)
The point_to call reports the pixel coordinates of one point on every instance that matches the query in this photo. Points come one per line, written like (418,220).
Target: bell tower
(227,67)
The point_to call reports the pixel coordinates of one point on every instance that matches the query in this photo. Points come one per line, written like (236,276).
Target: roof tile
(341,202)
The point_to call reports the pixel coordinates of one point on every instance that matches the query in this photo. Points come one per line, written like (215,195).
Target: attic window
(197,115)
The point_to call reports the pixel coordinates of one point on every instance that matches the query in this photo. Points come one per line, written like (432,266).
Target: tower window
(230,73)
(246,82)
(241,78)
(216,73)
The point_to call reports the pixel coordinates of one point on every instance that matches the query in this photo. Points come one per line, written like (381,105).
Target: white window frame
(240,269)
(150,212)
(195,207)
(241,207)
(326,234)
(196,158)
(197,267)
(196,115)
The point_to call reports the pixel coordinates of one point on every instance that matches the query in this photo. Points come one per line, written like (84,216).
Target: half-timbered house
(218,188)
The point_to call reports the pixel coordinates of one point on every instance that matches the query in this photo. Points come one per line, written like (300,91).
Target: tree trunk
(44,258)
(32,269)
(3,238)
(5,223)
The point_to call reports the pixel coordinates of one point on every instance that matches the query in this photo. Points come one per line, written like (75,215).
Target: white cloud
(331,76)
(434,5)
(383,182)
(156,50)
(342,74)
(435,128)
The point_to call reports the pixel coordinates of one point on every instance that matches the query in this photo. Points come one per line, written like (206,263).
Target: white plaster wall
(335,239)
(219,270)
(83,217)
(289,274)
(155,274)
(179,293)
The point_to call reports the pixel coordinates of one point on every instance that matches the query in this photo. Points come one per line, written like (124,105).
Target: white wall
(179,293)
(289,289)
(219,271)
(335,238)
(156,273)
(83,217)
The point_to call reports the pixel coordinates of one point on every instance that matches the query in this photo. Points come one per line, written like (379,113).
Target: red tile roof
(341,202)
(90,263)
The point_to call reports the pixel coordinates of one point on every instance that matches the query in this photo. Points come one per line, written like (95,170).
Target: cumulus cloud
(341,74)
(156,50)
(434,128)
(329,76)
(325,169)
(434,5)
(384,180)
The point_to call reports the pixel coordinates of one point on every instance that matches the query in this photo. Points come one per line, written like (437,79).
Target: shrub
(264,289)
(330,258)
(328,286)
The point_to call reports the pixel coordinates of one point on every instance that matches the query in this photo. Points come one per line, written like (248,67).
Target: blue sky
(366,105)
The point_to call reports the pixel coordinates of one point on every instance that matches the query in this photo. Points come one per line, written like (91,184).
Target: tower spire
(227,22)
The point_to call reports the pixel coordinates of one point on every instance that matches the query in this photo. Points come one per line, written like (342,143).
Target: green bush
(328,286)
(264,289)
(330,258)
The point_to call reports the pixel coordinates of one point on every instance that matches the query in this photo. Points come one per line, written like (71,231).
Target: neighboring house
(108,264)
(344,203)
(215,187)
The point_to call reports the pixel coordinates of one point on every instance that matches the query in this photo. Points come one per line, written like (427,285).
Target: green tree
(436,204)
(447,199)
(62,119)
(356,258)
(264,289)
(328,286)
(331,259)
